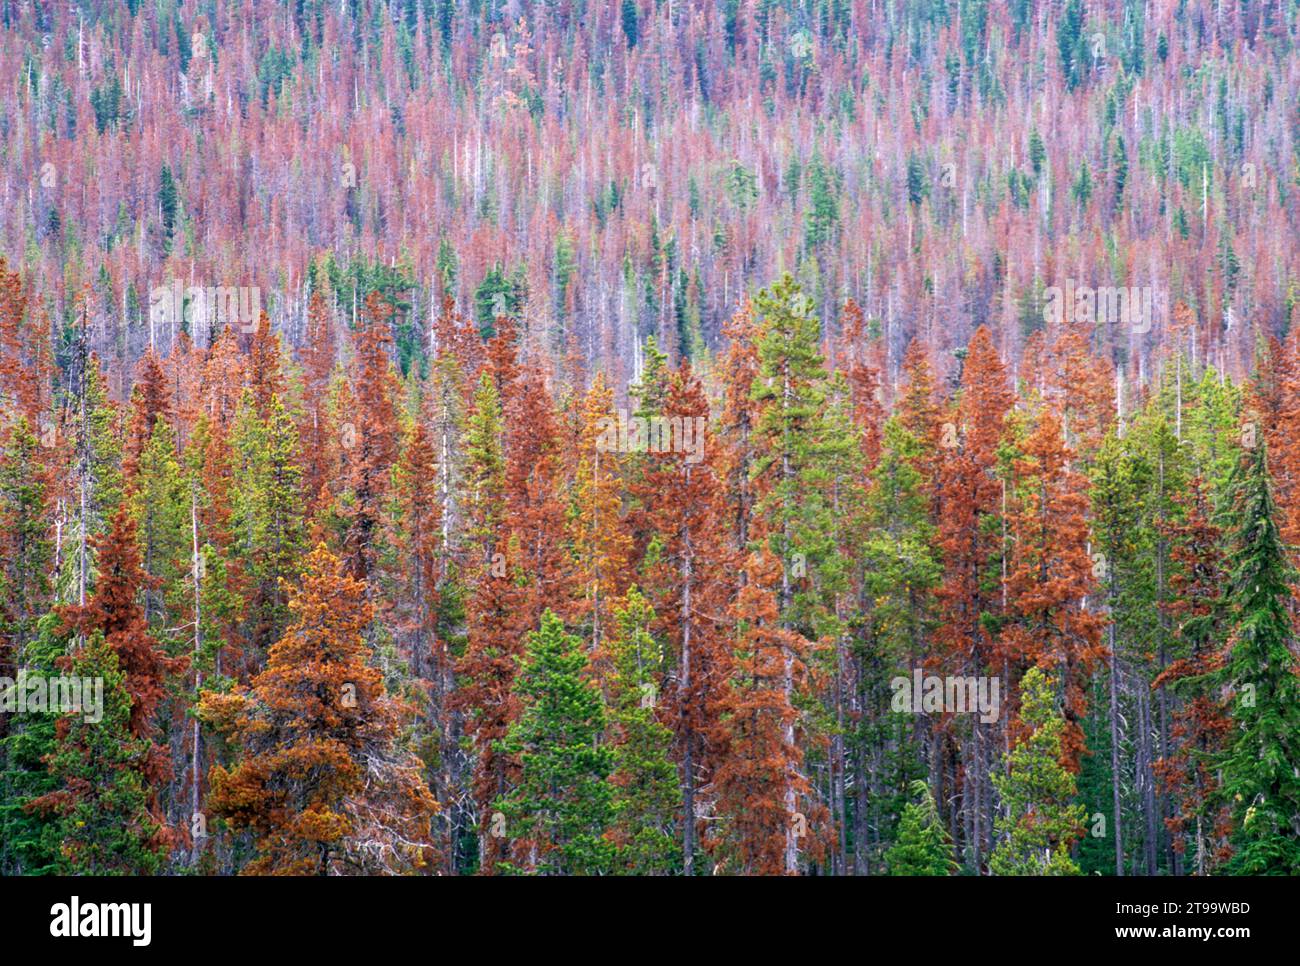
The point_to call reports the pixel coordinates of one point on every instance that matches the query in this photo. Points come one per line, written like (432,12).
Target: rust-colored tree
(320,776)
(762,772)
(1049,576)
(115,611)
(373,435)
(688,571)
(150,401)
(970,598)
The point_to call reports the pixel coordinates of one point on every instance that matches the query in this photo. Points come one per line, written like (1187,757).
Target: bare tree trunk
(1146,779)
(684,706)
(196,776)
(1162,627)
(1116,803)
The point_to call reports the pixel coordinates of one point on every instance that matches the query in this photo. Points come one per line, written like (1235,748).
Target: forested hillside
(650,437)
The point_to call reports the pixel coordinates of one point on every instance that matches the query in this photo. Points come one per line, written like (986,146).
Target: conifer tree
(1261,765)
(1080,386)
(971,540)
(150,402)
(98,480)
(793,444)
(901,570)
(902,566)
(739,369)
(26,548)
(759,782)
(115,612)
(222,380)
(417,557)
(1200,723)
(534,505)
(266,517)
(601,545)
(804,446)
(1121,538)
(373,433)
(159,503)
(918,413)
(923,846)
(107,820)
(486,670)
(1050,575)
(558,815)
(320,777)
(266,378)
(864,381)
(316,429)
(1040,823)
(30,833)
(646,794)
(685,569)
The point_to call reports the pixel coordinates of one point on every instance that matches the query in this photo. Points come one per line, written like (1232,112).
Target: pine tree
(601,545)
(26,548)
(685,568)
(1050,575)
(316,429)
(923,846)
(373,433)
(535,508)
(971,541)
(902,567)
(759,782)
(159,503)
(1039,824)
(558,815)
(115,612)
(221,382)
(266,378)
(901,570)
(320,777)
(30,834)
(1200,724)
(150,402)
(918,413)
(486,670)
(864,380)
(1121,536)
(99,477)
(484,471)
(1261,765)
(107,821)
(266,517)
(805,444)
(792,442)
(646,795)
(417,558)
(1080,387)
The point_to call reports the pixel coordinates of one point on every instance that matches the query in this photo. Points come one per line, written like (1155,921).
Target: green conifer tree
(557,816)
(1036,789)
(104,822)
(646,793)
(923,846)
(1261,767)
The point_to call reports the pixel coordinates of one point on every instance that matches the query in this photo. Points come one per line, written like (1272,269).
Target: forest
(650,438)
